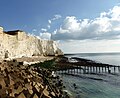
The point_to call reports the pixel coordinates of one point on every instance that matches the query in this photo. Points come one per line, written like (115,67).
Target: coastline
(91,85)
(43,68)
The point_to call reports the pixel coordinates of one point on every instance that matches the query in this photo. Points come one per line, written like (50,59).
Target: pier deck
(89,69)
(83,66)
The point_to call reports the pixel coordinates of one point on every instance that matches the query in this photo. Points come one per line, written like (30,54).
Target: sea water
(108,58)
(107,85)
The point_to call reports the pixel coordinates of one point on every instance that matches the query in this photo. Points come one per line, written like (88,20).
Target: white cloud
(86,46)
(43,29)
(49,21)
(106,26)
(48,26)
(34,30)
(56,17)
(45,35)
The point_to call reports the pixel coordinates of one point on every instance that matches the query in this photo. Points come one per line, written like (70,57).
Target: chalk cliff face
(18,44)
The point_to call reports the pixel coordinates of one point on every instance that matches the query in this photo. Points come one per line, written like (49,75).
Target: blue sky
(34,14)
(46,18)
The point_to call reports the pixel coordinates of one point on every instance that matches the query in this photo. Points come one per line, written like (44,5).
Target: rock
(16,82)
(16,44)
(53,94)
(35,96)
(21,96)
(28,86)
(37,87)
(46,93)
(20,88)
(11,81)
(2,82)
(1,29)
(30,91)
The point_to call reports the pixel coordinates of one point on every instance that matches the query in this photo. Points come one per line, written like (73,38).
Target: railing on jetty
(89,69)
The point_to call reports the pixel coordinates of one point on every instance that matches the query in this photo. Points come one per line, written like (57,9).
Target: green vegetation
(46,64)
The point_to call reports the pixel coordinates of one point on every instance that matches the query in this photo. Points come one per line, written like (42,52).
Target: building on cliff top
(15,32)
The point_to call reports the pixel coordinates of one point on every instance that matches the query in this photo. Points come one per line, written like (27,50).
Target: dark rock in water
(64,59)
(75,86)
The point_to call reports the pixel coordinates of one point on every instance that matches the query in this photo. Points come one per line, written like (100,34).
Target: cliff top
(15,32)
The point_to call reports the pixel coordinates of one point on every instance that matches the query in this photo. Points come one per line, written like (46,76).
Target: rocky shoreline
(24,81)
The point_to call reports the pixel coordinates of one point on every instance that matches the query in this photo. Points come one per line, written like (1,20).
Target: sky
(78,26)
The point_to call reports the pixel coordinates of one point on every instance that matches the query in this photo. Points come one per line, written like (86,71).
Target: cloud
(106,26)
(48,26)
(56,17)
(45,35)
(87,46)
(43,29)
(34,30)
(49,21)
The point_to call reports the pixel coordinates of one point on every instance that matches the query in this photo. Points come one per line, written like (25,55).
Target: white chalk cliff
(18,44)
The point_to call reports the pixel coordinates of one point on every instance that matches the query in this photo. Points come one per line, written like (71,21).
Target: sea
(82,86)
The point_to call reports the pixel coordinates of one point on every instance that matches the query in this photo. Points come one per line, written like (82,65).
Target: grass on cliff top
(50,64)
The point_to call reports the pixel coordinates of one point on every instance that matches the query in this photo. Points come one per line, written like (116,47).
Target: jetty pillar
(96,69)
(105,69)
(90,69)
(118,68)
(114,69)
(102,69)
(99,69)
(93,69)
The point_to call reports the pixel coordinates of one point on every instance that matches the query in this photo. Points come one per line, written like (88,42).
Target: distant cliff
(18,44)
